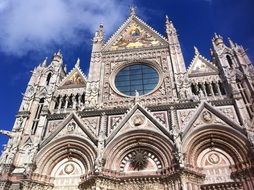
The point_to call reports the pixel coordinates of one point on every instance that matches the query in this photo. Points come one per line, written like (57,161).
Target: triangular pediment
(206,114)
(71,126)
(134,33)
(75,79)
(201,66)
(138,118)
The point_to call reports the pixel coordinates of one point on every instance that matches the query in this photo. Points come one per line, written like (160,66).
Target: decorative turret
(231,43)
(57,58)
(98,39)
(217,41)
(44,63)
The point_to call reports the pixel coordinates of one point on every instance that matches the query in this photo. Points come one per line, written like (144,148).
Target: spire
(132,11)
(169,26)
(65,68)
(196,50)
(167,20)
(99,34)
(77,63)
(231,43)
(58,57)
(44,63)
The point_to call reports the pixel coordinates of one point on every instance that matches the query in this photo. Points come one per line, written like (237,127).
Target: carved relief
(92,123)
(207,116)
(184,117)
(138,120)
(92,93)
(71,129)
(112,122)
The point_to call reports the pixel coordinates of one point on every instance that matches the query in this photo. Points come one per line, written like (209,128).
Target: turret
(98,39)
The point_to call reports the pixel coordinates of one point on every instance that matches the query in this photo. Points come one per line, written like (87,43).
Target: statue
(18,124)
(12,135)
(183,84)
(177,138)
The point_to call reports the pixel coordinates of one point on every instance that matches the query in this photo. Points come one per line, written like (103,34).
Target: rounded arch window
(136,79)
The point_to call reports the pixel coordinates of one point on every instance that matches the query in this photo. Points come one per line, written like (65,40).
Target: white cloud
(36,24)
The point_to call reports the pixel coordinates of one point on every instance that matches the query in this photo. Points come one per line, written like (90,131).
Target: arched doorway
(67,174)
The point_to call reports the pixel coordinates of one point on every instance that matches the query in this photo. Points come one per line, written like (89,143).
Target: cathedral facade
(140,120)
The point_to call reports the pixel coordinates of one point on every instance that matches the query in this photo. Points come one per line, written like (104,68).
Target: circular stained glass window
(136,79)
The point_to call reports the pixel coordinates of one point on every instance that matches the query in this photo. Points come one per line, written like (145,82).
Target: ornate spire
(77,63)
(167,20)
(44,63)
(196,50)
(99,34)
(169,26)
(65,68)
(132,11)
(231,43)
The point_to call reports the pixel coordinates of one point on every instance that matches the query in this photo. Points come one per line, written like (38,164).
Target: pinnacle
(77,63)
(132,11)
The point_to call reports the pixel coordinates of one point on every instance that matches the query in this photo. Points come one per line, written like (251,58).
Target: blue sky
(36,29)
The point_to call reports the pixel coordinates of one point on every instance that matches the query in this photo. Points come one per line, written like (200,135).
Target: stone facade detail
(157,125)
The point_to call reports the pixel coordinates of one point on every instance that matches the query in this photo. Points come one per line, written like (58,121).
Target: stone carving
(12,135)
(139,160)
(138,120)
(69,168)
(214,158)
(207,116)
(30,91)
(177,138)
(71,127)
(18,124)
(92,94)
(183,84)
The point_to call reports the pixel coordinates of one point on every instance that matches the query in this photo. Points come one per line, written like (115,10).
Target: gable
(201,66)
(206,114)
(134,34)
(71,126)
(74,79)
(138,118)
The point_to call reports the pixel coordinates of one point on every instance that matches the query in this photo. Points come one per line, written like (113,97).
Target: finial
(77,63)
(59,52)
(133,11)
(44,63)
(211,51)
(231,43)
(196,50)
(65,68)
(216,35)
(167,19)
